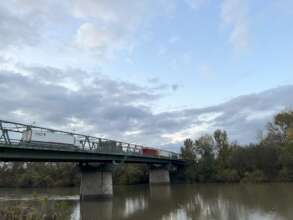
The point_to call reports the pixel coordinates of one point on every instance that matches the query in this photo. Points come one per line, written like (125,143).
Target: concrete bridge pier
(159,174)
(96,181)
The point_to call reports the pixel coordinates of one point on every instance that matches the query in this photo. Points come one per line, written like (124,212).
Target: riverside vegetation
(210,158)
(38,209)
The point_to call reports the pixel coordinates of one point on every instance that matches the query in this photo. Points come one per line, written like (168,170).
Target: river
(143,202)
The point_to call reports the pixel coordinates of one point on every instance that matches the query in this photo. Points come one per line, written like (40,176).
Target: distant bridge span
(96,156)
(81,148)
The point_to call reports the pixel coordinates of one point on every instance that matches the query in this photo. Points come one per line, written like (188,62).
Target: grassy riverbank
(37,209)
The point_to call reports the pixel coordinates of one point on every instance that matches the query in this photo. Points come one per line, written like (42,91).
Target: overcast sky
(152,72)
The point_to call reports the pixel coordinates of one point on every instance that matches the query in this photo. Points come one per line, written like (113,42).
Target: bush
(286,174)
(228,175)
(256,176)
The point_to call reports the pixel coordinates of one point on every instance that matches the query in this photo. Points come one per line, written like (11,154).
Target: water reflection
(183,202)
(92,210)
(133,205)
(203,202)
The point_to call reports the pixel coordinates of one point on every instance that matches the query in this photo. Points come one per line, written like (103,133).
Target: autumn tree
(222,147)
(204,147)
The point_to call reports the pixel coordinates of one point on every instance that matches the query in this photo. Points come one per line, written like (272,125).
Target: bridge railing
(12,133)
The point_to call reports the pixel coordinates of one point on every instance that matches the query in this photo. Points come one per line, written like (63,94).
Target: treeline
(212,158)
(63,174)
(20,174)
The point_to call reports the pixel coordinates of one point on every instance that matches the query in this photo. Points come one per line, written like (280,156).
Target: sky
(152,72)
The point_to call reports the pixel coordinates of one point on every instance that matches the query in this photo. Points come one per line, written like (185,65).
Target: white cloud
(210,116)
(111,24)
(203,124)
(78,125)
(192,132)
(262,114)
(173,39)
(89,37)
(195,4)
(98,9)
(234,14)
(121,110)
(51,30)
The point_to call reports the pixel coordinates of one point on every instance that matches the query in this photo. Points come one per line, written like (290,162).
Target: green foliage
(189,155)
(256,176)
(39,175)
(187,151)
(286,158)
(215,159)
(279,132)
(223,148)
(204,147)
(130,174)
(228,175)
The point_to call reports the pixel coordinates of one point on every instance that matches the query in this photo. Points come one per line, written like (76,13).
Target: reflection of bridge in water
(96,156)
(184,202)
(202,202)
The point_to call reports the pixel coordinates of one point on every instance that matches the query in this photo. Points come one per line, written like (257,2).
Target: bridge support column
(159,175)
(96,182)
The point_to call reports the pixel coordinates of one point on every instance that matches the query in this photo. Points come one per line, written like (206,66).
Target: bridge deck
(21,142)
(33,153)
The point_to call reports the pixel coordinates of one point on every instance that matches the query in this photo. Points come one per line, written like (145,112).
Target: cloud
(203,124)
(89,28)
(242,117)
(105,106)
(73,99)
(111,24)
(195,4)
(175,87)
(89,37)
(16,31)
(264,114)
(27,22)
(173,39)
(234,14)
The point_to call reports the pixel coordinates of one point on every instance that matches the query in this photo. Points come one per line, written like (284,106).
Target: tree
(188,153)
(290,135)
(279,132)
(223,148)
(204,147)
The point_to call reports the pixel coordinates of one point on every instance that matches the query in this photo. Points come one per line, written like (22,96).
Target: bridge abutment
(96,182)
(159,175)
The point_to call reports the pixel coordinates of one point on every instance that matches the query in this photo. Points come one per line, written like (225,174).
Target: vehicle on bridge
(48,138)
(148,151)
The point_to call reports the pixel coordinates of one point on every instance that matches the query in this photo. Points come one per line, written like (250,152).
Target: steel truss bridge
(88,148)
